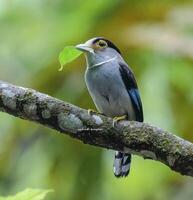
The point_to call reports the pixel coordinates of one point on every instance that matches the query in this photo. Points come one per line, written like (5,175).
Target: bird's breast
(108,91)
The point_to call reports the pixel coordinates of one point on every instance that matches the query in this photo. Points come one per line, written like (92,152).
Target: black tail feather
(121,165)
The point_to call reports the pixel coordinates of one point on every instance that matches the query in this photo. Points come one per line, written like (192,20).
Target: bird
(113,88)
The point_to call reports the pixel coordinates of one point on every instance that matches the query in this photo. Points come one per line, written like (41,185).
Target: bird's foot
(117,119)
(91,112)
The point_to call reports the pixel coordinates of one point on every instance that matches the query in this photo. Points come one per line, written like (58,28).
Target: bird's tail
(122,163)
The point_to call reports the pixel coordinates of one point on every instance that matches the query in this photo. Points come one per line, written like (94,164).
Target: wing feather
(131,86)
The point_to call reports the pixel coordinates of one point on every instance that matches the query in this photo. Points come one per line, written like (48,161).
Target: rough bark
(138,138)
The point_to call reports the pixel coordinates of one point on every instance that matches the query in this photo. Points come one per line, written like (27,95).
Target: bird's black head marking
(109,43)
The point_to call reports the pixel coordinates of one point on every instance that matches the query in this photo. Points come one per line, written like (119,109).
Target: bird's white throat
(101,63)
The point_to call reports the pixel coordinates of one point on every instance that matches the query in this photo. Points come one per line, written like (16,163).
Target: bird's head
(98,50)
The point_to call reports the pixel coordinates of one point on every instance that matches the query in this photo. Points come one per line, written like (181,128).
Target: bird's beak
(84,48)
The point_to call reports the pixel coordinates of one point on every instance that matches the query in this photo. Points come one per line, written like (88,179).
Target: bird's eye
(102,43)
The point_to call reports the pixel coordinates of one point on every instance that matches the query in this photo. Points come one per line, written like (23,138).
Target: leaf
(28,194)
(68,54)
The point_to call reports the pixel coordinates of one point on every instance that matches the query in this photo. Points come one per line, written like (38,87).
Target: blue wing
(131,86)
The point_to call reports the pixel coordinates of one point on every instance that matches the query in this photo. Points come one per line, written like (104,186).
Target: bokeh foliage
(156,39)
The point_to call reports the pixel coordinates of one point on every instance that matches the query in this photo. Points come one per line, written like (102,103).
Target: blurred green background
(156,39)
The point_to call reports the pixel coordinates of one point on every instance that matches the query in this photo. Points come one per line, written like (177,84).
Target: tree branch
(138,138)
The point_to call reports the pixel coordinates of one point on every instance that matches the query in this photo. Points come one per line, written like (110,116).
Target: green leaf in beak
(67,55)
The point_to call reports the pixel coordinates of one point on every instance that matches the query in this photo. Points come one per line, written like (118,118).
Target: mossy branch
(138,138)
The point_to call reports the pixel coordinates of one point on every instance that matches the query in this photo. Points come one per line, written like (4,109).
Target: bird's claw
(91,111)
(117,119)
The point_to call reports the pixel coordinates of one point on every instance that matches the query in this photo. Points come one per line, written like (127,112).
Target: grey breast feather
(108,91)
